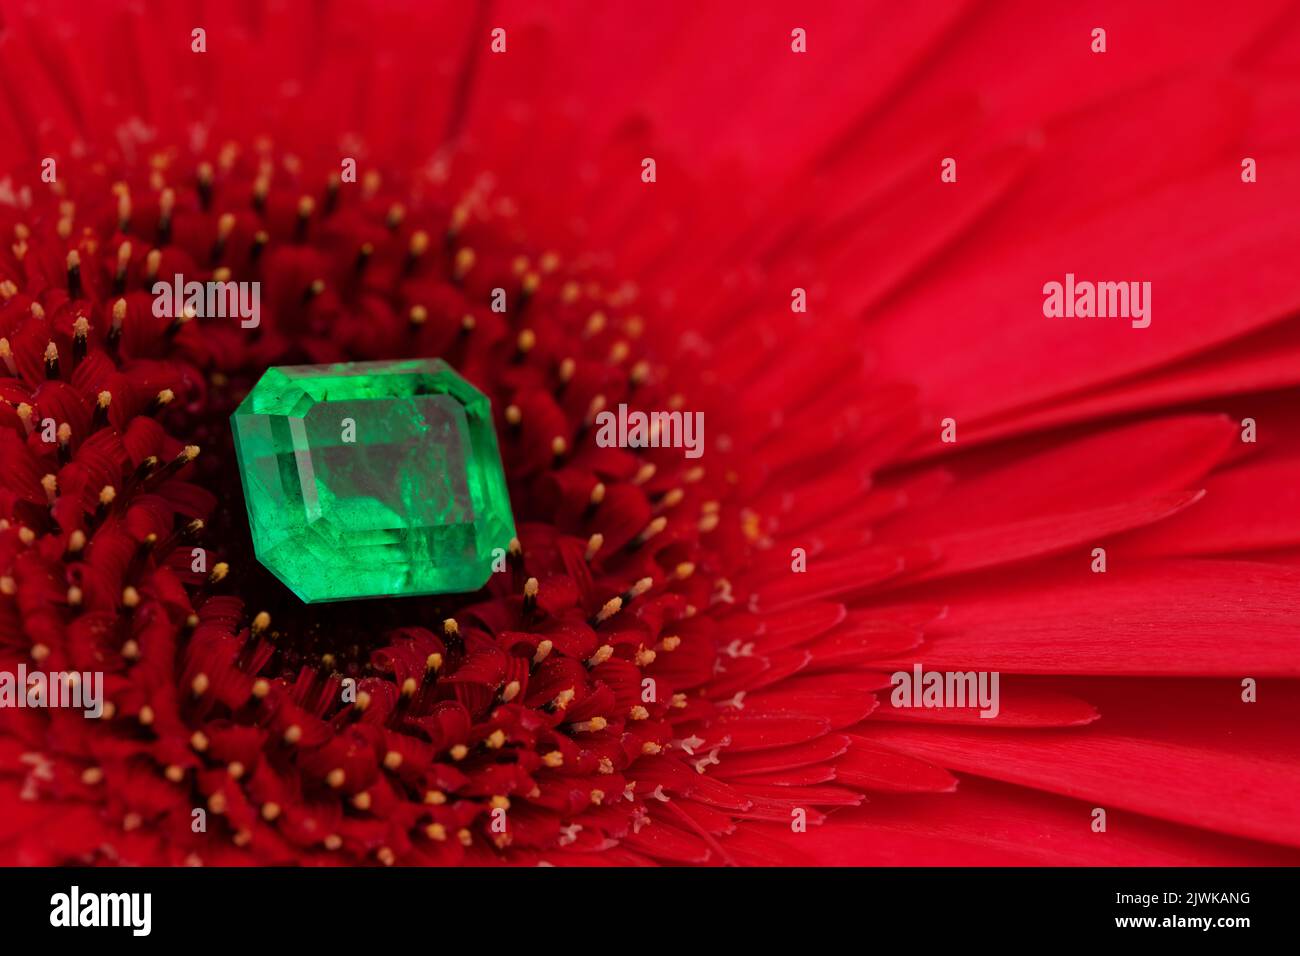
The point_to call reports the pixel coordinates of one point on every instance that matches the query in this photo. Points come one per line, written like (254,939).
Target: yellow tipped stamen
(564,698)
(510,692)
(644,473)
(603,653)
(543,651)
(130,597)
(594,544)
(612,607)
(652,529)
(463,262)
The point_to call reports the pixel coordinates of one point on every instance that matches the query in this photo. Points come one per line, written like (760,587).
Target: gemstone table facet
(372,479)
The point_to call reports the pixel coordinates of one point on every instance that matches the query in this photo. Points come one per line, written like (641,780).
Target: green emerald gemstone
(372,479)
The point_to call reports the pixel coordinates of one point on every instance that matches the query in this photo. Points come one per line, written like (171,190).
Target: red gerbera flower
(656,678)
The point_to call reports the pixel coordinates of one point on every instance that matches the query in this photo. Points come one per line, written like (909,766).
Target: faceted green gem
(372,479)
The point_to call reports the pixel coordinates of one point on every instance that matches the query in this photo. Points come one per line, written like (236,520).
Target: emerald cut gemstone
(372,479)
